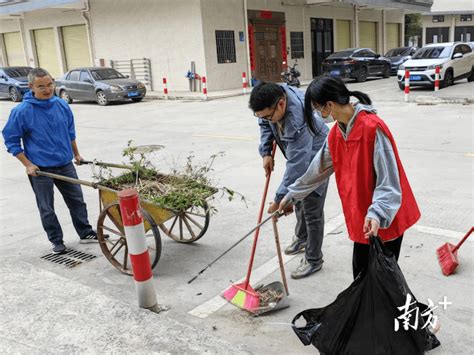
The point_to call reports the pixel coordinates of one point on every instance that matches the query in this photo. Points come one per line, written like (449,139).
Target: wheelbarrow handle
(111,165)
(65,178)
(73,180)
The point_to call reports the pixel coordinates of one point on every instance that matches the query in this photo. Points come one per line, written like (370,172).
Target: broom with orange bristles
(243,295)
(448,255)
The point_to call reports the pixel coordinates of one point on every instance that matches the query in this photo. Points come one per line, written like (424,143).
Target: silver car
(99,84)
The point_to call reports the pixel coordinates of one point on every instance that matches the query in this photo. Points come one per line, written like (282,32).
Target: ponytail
(362,97)
(308,111)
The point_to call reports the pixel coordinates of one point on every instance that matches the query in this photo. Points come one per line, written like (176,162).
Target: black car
(99,84)
(14,82)
(398,56)
(357,63)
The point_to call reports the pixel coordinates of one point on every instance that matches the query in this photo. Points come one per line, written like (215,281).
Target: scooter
(290,76)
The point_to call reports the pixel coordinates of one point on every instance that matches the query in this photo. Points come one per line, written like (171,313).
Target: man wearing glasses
(40,133)
(280,110)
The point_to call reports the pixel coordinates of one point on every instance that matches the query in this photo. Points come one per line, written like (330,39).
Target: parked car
(455,59)
(14,82)
(398,56)
(99,84)
(357,63)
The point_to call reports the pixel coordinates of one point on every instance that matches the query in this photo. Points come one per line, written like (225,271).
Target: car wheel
(362,76)
(65,96)
(471,77)
(401,86)
(386,72)
(448,79)
(137,99)
(15,95)
(101,98)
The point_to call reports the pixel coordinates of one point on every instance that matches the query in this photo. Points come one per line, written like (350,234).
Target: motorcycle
(290,76)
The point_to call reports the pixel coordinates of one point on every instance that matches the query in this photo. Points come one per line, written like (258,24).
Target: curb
(433,100)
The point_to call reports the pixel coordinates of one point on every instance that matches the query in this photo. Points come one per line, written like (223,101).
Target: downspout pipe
(246,31)
(86,16)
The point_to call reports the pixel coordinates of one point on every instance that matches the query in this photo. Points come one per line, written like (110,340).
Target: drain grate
(70,259)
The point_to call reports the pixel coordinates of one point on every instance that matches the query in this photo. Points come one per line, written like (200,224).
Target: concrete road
(436,147)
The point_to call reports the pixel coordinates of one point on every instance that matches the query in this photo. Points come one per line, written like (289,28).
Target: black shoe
(305,269)
(59,248)
(91,238)
(295,247)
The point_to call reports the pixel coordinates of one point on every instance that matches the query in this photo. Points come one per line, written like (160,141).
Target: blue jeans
(43,188)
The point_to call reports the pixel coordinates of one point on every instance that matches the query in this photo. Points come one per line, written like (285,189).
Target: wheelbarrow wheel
(189,225)
(114,246)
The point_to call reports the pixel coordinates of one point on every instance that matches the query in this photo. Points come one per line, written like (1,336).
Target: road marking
(224,137)
(217,302)
(440,232)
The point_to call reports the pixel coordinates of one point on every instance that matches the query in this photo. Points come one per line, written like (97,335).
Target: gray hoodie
(387,195)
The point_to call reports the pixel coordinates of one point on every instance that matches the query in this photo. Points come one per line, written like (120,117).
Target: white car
(456,61)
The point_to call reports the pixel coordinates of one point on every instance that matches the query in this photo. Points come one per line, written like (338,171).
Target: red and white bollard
(165,88)
(204,86)
(137,248)
(436,83)
(244,83)
(407,85)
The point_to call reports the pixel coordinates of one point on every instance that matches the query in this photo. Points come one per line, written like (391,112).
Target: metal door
(46,52)
(76,46)
(322,42)
(268,48)
(14,49)
(437,35)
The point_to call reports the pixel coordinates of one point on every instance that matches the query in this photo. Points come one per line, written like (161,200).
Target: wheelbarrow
(184,226)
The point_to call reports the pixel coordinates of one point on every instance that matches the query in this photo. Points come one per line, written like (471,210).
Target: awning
(11,7)
(411,5)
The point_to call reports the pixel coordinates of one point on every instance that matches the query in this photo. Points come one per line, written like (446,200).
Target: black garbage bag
(361,321)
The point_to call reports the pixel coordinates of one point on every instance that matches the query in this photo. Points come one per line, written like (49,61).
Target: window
(438,18)
(225,43)
(73,76)
(466,49)
(466,18)
(85,75)
(364,54)
(297,45)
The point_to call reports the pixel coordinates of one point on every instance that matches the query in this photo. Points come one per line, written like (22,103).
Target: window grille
(438,18)
(225,43)
(297,46)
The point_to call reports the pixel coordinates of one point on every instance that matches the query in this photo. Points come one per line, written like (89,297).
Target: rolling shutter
(14,49)
(343,40)
(393,35)
(46,51)
(368,35)
(76,46)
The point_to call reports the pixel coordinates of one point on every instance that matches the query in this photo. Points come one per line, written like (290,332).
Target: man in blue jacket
(280,110)
(40,133)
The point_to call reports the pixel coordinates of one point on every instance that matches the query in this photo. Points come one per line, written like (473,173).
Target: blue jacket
(44,127)
(297,143)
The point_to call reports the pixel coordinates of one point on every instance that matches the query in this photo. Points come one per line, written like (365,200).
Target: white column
(60,49)
(452,28)
(355,27)
(21,25)
(384,33)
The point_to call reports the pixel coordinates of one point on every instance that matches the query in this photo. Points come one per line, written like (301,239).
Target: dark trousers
(310,225)
(43,188)
(360,256)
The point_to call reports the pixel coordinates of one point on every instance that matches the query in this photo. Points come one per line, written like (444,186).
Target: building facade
(219,39)
(449,21)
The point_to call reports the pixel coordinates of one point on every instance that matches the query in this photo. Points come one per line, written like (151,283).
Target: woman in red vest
(376,197)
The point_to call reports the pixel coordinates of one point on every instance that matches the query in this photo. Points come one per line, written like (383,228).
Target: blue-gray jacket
(297,143)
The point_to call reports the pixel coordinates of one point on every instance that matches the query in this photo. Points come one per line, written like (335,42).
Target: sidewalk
(58,315)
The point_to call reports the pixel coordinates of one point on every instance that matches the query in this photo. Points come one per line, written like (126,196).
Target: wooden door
(268,53)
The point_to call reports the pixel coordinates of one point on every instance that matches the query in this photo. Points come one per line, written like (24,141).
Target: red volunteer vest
(355,176)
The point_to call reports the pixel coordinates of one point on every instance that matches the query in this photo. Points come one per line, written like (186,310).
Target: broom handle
(463,239)
(260,216)
(280,257)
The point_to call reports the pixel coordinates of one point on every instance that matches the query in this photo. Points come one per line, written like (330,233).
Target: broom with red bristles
(243,295)
(448,255)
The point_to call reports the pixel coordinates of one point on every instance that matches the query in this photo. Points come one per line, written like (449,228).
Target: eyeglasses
(318,110)
(45,87)
(268,117)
